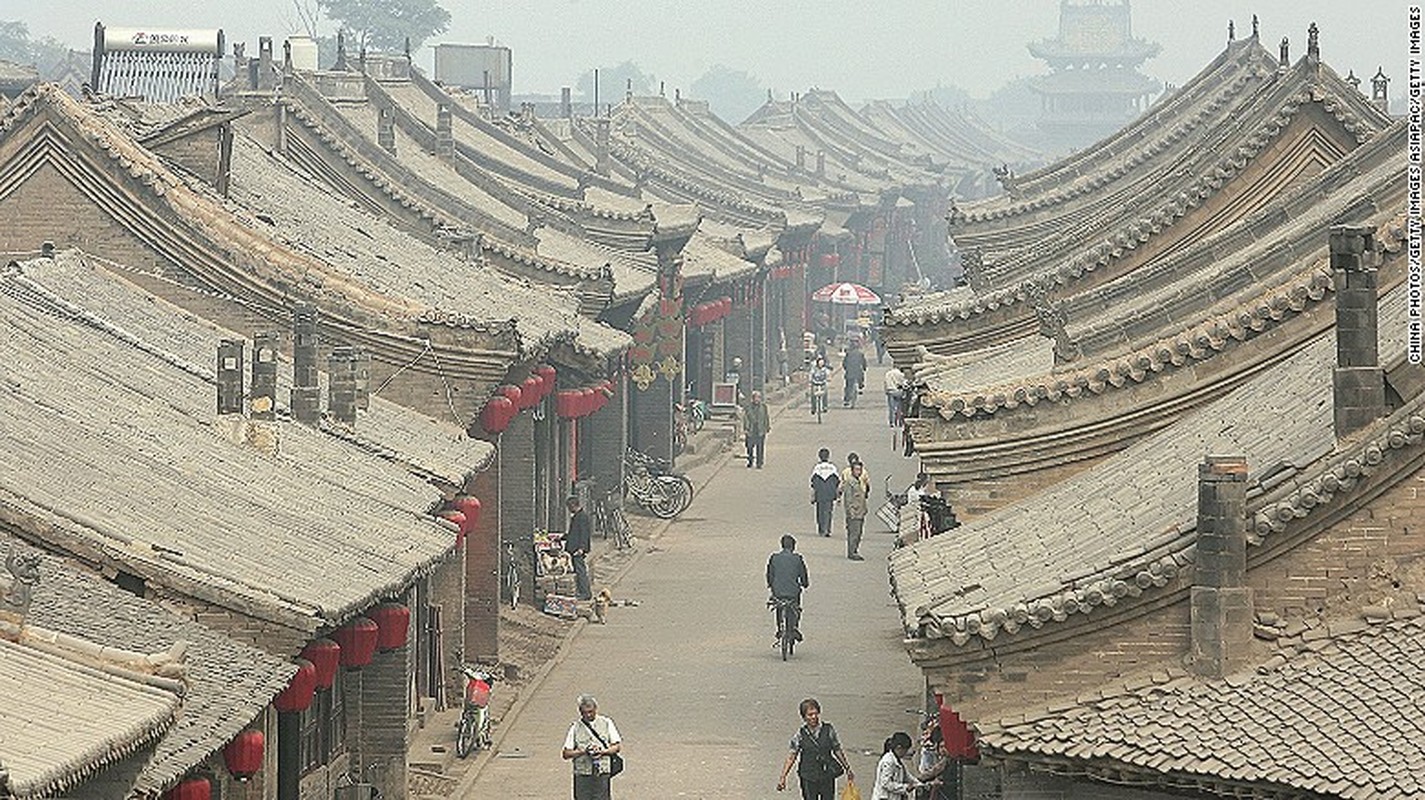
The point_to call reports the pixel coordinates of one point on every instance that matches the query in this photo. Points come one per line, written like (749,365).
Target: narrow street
(690,676)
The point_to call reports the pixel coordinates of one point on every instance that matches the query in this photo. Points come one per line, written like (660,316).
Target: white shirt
(579,738)
(893,782)
(895,381)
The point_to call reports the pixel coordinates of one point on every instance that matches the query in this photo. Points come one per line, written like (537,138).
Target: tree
(387,24)
(16,46)
(614,81)
(732,94)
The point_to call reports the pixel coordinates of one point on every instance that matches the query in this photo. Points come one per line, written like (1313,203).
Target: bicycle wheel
(783,617)
(674,493)
(465,739)
(623,534)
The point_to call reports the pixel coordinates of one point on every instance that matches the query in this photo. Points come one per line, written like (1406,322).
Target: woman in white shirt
(893,780)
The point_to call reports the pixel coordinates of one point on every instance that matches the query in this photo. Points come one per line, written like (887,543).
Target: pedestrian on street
(817,753)
(590,741)
(893,780)
(577,543)
(854,365)
(855,492)
(934,764)
(865,477)
(895,391)
(818,379)
(756,424)
(825,488)
(786,578)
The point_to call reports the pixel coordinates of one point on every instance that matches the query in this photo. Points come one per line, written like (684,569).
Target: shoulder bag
(826,767)
(615,760)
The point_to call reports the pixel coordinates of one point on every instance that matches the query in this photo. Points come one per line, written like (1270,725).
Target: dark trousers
(593,787)
(818,790)
(582,590)
(755,447)
(848,396)
(823,517)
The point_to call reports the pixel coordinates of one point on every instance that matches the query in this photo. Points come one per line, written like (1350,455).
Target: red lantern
(497,414)
(514,393)
(726,306)
(325,656)
(243,754)
(191,789)
(547,376)
(586,401)
(564,404)
(298,694)
(358,642)
(469,506)
(392,621)
(530,388)
(458,519)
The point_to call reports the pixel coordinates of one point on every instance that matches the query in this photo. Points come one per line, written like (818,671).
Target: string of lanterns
(709,312)
(509,399)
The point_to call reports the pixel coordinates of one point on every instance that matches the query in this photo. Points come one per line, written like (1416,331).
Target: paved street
(690,676)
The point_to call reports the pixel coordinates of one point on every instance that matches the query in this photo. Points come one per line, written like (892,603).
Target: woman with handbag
(593,744)
(893,780)
(817,754)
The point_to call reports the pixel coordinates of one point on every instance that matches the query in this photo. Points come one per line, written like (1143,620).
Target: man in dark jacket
(786,577)
(825,488)
(756,424)
(853,364)
(577,543)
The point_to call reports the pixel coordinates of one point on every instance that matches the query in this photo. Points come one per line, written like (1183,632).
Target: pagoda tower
(1095,87)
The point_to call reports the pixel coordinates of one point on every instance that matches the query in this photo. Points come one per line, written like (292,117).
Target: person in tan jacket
(855,496)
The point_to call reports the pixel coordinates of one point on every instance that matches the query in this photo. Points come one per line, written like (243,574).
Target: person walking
(854,366)
(825,488)
(855,493)
(756,424)
(865,477)
(817,754)
(893,780)
(590,743)
(577,543)
(786,578)
(894,383)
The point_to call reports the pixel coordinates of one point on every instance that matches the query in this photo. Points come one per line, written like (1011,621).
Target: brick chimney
(1221,603)
(821,163)
(341,371)
(230,376)
(1358,386)
(601,146)
(566,103)
(386,128)
(363,378)
(444,139)
(306,393)
(264,375)
(801,157)
(263,79)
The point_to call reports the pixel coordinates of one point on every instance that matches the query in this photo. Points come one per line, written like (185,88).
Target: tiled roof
(110,438)
(435,450)
(1338,714)
(306,217)
(12,74)
(1094,538)
(702,258)
(228,683)
(62,720)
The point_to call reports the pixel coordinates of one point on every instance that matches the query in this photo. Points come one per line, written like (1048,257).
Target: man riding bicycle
(786,577)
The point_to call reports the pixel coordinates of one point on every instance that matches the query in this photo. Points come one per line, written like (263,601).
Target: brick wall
(738,330)
(483,558)
(198,153)
(651,421)
(606,436)
(447,591)
(272,637)
(517,495)
(377,720)
(46,206)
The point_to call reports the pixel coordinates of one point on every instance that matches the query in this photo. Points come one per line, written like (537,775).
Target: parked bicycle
(688,419)
(609,519)
(654,486)
(473,730)
(512,576)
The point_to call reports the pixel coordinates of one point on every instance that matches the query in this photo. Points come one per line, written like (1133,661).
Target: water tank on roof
(304,53)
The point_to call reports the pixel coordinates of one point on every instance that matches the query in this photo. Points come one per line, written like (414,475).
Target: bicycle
(352,785)
(818,400)
(663,493)
(512,576)
(608,516)
(473,729)
(786,611)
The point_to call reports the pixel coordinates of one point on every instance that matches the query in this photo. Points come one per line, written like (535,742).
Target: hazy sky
(861,48)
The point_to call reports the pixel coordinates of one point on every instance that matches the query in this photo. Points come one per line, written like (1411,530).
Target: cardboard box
(560,605)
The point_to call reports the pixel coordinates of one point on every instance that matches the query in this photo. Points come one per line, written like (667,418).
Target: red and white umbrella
(846,294)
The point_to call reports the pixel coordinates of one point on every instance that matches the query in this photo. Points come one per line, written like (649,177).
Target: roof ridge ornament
(1231,31)
(1284,59)
(18,589)
(1256,31)
(1053,318)
(1313,44)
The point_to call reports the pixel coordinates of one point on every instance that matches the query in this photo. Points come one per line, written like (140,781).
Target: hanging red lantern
(392,620)
(564,404)
(325,656)
(497,414)
(726,306)
(530,389)
(514,393)
(358,642)
(243,755)
(586,402)
(298,694)
(547,375)
(191,789)
(469,506)
(457,518)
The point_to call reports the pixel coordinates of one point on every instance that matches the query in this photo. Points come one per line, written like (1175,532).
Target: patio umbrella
(846,294)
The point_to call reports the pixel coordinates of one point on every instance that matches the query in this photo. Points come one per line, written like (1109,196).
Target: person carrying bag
(593,744)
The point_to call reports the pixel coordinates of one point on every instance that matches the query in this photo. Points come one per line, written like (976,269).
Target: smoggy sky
(864,49)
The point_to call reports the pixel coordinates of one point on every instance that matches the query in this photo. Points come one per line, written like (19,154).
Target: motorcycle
(473,730)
